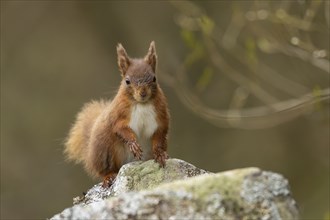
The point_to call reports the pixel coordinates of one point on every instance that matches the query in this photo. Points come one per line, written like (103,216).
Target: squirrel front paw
(160,156)
(136,149)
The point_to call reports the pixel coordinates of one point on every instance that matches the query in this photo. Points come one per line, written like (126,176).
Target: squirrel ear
(151,57)
(123,59)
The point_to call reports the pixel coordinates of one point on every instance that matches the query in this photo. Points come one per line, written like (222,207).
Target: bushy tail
(77,141)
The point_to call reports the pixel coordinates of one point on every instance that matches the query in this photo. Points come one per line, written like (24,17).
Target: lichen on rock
(150,192)
(140,175)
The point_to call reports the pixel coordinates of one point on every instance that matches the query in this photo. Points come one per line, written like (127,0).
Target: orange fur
(80,132)
(102,138)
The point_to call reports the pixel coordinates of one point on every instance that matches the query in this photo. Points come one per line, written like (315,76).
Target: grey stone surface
(139,175)
(248,193)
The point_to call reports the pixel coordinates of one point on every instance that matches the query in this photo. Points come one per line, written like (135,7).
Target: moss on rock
(248,193)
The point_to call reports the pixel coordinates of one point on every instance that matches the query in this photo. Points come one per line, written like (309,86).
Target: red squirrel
(133,126)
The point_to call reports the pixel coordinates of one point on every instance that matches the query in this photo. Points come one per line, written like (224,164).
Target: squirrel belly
(143,122)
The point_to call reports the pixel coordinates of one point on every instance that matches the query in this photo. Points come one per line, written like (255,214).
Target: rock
(140,175)
(248,193)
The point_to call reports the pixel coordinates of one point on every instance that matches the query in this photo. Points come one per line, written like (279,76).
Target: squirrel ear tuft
(151,57)
(123,59)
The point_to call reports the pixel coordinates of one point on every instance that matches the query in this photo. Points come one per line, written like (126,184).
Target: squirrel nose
(143,94)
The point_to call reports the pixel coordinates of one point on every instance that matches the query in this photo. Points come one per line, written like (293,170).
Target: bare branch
(288,35)
(249,118)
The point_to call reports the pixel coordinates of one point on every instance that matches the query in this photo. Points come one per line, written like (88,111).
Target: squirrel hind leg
(109,179)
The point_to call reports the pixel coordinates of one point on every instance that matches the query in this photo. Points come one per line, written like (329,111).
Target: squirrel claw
(135,149)
(108,180)
(160,158)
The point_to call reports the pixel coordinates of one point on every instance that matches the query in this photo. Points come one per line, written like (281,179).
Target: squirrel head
(138,75)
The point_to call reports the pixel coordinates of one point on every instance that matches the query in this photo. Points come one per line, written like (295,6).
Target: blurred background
(247,84)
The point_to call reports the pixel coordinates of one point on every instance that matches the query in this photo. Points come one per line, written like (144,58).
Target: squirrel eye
(154,79)
(127,81)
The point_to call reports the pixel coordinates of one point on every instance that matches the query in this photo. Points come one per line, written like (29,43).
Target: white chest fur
(143,121)
(144,124)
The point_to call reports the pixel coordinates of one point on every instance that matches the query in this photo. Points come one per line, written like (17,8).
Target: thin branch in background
(313,57)
(253,117)
(272,111)
(219,62)
(229,43)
